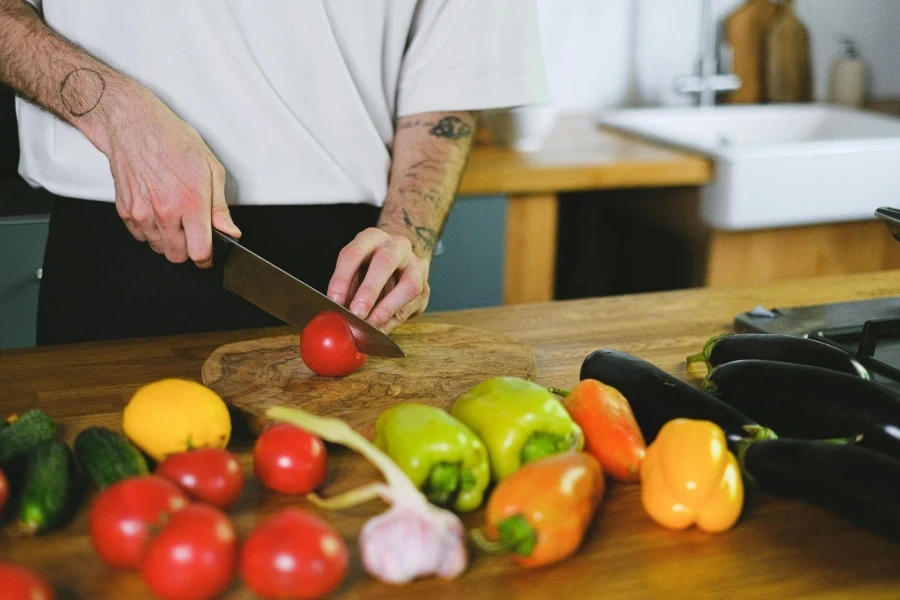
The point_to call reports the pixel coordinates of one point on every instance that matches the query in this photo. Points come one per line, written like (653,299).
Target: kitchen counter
(780,549)
(577,156)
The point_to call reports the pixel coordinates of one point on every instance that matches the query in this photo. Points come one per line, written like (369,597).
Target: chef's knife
(289,299)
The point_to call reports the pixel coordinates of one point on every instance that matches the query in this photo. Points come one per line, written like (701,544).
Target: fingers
(399,302)
(389,257)
(413,309)
(221,216)
(350,262)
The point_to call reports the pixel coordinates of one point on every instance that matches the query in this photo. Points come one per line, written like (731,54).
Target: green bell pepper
(519,421)
(441,456)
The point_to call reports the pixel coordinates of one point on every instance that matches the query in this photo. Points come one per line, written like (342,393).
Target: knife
(284,296)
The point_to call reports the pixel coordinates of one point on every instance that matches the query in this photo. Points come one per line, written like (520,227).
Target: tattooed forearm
(429,153)
(81,90)
(427,236)
(453,128)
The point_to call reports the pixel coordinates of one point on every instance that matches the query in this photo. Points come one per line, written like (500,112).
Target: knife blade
(285,297)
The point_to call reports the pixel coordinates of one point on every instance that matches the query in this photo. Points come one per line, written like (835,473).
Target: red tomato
(19,583)
(289,460)
(328,348)
(210,475)
(293,554)
(4,491)
(194,557)
(123,515)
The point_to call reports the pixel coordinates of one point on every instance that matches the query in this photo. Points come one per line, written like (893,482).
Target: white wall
(607,53)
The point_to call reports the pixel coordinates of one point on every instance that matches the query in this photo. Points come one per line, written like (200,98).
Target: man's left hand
(380,279)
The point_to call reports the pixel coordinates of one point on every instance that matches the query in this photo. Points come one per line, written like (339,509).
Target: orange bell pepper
(541,512)
(611,433)
(689,477)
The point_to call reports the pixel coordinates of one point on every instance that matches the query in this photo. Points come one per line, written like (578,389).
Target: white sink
(781,165)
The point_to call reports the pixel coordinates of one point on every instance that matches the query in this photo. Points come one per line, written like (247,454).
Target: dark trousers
(99,283)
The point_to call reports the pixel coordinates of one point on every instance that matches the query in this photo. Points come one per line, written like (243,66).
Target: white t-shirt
(297,98)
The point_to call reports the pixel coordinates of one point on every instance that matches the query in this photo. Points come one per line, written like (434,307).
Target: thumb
(221,216)
(221,220)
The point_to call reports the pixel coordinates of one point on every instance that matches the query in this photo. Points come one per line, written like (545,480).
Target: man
(332,134)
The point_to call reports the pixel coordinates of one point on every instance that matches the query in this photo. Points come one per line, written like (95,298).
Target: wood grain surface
(779,550)
(745,30)
(442,363)
(579,155)
(788,73)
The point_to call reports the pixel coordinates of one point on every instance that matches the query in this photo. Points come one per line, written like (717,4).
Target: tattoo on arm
(81,91)
(426,235)
(451,127)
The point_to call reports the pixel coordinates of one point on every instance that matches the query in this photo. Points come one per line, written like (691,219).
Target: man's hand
(380,278)
(169,186)
(170,189)
(382,275)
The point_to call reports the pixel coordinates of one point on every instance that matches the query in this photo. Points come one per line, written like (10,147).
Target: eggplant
(726,348)
(810,402)
(860,485)
(656,397)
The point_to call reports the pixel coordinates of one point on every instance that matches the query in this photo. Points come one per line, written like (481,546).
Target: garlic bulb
(413,538)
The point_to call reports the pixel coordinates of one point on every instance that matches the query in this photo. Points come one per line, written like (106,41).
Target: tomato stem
(560,392)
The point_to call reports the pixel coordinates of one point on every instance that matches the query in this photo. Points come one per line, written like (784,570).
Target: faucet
(709,80)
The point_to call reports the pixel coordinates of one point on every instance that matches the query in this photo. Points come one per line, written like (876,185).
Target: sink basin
(781,165)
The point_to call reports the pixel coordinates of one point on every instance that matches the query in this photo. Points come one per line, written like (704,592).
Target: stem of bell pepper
(541,444)
(516,536)
(560,392)
(443,481)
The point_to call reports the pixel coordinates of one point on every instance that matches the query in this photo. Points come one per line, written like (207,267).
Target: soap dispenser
(848,77)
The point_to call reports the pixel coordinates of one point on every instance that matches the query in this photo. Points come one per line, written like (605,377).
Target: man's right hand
(170,189)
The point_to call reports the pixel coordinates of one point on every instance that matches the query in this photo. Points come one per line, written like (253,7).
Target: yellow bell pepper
(689,477)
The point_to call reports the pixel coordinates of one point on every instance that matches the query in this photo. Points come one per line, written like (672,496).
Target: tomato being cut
(209,475)
(194,557)
(327,346)
(123,515)
(289,460)
(19,583)
(4,491)
(293,554)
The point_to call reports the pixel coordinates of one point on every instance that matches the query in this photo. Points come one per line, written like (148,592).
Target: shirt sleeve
(472,55)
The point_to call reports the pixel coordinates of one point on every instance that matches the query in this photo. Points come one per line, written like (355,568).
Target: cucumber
(48,494)
(107,457)
(22,434)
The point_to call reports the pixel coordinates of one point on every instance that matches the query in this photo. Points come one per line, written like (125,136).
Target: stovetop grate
(875,344)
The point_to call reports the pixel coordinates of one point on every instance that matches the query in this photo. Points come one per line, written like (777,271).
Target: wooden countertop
(780,549)
(579,155)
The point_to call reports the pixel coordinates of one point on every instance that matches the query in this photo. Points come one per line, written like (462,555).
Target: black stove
(867,329)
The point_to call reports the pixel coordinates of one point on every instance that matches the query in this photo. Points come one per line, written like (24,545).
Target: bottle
(848,77)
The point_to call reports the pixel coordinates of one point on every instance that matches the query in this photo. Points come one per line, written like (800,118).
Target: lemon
(175,415)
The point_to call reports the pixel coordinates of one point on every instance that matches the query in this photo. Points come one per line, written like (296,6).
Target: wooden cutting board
(788,73)
(745,31)
(442,363)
